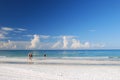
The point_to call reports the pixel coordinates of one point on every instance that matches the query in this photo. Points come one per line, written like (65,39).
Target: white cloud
(7,32)
(62,42)
(4,31)
(68,42)
(69,37)
(57,45)
(44,36)
(7,29)
(65,42)
(41,36)
(98,45)
(86,45)
(7,45)
(2,36)
(75,44)
(14,45)
(21,29)
(29,35)
(44,42)
(35,42)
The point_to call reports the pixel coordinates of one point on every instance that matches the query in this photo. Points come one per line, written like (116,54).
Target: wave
(93,58)
(85,57)
(71,58)
(3,56)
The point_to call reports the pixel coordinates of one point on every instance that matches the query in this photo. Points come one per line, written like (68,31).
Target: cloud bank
(64,43)
(43,41)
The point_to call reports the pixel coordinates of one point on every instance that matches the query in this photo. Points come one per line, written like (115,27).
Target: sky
(59,24)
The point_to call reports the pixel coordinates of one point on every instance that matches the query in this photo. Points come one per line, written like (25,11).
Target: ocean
(63,54)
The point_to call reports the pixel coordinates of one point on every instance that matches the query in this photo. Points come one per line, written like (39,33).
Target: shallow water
(64,54)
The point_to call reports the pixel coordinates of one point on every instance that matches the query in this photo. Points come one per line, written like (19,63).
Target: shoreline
(59,61)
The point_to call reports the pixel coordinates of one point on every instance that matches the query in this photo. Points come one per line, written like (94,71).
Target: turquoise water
(72,54)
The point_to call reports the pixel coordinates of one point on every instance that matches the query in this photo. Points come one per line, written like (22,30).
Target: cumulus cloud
(75,44)
(65,42)
(35,42)
(7,45)
(44,42)
(14,45)
(57,45)
(70,42)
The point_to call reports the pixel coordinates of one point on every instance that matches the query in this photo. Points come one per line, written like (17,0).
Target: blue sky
(62,24)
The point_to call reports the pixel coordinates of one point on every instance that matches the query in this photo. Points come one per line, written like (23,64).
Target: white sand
(58,70)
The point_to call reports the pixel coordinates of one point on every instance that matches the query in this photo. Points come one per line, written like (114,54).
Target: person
(45,55)
(30,56)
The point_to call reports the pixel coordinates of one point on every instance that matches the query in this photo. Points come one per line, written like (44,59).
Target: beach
(59,40)
(58,69)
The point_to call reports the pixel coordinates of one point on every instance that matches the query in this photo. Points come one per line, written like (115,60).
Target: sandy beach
(19,69)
